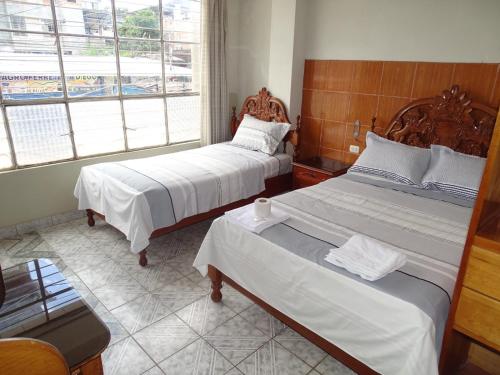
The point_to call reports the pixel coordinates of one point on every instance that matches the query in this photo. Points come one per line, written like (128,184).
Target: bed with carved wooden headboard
(393,325)
(451,119)
(266,107)
(136,182)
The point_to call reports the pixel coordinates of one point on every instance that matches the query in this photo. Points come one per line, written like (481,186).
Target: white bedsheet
(195,181)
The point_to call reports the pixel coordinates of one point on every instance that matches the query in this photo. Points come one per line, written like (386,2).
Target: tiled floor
(161,318)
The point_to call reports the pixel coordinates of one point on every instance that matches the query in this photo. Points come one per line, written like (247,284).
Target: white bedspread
(372,321)
(141,195)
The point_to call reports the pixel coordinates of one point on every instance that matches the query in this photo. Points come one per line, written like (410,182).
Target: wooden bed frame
(452,120)
(264,107)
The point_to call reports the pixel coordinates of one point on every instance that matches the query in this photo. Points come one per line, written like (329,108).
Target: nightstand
(314,170)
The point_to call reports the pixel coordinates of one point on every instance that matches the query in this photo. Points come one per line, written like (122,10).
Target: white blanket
(366,257)
(372,321)
(142,195)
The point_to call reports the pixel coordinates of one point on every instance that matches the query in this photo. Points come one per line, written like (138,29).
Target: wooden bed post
(234,121)
(216,277)
(295,139)
(143,261)
(90,218)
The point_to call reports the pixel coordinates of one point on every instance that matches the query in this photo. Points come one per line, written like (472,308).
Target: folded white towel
(367,257)
(245,216)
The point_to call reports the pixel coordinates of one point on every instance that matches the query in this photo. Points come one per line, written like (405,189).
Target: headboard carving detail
(450,119)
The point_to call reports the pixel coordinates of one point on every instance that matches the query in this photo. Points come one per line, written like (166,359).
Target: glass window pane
(22,15)
(183,118)
(140,67)
(93,18)
(5,159)
(40,133)
(89,66)
(29,67)
(181,20)
(138,18)
(145,119)
(182,66)
(97,126)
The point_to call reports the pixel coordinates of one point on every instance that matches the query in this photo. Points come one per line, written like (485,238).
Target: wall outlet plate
(354,149)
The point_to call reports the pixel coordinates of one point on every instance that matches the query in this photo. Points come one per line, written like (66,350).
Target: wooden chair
(30,356)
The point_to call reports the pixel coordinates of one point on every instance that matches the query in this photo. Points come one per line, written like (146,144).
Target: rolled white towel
(367,257)
(245,217)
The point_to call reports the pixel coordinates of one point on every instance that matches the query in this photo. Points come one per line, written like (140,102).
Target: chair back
(30,356)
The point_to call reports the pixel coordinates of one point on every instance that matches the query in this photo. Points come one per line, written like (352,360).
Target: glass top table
(36,301)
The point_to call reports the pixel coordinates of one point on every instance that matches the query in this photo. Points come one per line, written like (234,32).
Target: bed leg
(216,277)
(143,261)
(90,218)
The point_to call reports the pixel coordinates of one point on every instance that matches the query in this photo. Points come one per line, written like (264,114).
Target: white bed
(394,325)
(139,196)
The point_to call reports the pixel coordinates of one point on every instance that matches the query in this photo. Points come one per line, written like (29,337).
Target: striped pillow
(258,135)
(454,173)
(392,161)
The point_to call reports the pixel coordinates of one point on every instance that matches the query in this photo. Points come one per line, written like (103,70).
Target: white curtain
(214,97)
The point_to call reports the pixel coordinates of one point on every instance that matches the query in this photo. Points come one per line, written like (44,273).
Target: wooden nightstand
(314,170)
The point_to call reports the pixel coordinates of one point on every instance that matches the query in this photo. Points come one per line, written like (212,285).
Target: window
(85,78)
(5,154)
(40,133)
(18,23)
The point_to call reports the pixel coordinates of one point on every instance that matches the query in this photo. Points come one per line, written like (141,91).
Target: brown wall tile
(362,108)
(387,108)
(311,130)
(431,79)
(335,106)
(366,77)
(333,134)
(397,78)
(336,93)
(339,75)
(476,79)
(308,150)
(315,74)
(312,103)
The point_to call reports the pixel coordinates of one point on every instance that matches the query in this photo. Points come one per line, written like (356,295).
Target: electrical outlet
(354,149)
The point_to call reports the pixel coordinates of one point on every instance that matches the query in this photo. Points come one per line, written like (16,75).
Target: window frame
(66,99)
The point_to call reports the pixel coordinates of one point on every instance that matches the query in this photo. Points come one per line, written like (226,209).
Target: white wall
(38,192)
(286,55)
(248,34)
(261,32)
(281,48)
(404,30)
(233,50)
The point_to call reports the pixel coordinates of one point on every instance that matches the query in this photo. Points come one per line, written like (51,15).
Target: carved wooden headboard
(266,108)
(450,119)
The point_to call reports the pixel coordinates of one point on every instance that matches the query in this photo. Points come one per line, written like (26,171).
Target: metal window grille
(136,59)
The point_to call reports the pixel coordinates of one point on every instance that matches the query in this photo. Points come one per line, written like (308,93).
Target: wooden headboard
(450,119)
(265,107)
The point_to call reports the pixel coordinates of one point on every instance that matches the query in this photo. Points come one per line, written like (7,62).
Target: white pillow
(454,173)
(258,135)
(392,160)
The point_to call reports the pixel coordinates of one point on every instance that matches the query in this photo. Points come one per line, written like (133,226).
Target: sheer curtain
(214,97)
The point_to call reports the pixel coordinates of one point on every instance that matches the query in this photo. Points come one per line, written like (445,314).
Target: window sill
(135,154)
